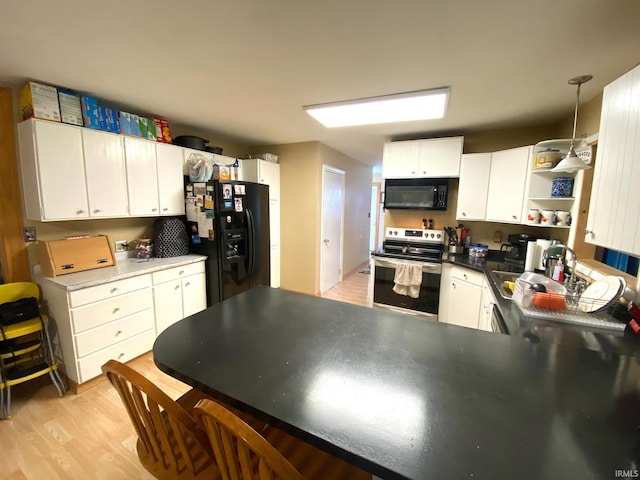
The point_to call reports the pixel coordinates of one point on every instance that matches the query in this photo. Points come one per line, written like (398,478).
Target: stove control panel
(430,236)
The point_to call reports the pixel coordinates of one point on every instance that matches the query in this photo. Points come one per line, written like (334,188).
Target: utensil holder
(456,249)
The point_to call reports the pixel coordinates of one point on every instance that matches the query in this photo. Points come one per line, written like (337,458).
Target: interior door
(332,227)
(373,217)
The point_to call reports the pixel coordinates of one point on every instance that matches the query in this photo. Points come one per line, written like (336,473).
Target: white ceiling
(243,69)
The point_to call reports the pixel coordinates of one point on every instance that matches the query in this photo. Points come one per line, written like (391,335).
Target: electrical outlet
(121,245)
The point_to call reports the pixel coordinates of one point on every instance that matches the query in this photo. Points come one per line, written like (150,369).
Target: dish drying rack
(576,311)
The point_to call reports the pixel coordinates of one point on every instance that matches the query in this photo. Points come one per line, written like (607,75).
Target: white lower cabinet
(119,319)
(177,293)
(486,307)
(464,297)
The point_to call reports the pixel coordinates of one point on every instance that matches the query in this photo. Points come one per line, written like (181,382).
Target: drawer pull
(121,355)
(464,275)
(177,287)
(116,310)
(187,284)
(181,272)
(119,332)
(114,290)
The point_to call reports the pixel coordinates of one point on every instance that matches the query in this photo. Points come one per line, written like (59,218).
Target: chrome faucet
(564,249)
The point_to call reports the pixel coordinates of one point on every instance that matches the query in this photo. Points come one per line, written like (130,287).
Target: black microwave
(416,193)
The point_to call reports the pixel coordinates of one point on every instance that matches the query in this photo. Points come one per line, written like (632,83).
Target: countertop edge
(123,269)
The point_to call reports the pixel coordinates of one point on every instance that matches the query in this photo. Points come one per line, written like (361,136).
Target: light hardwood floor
(89,436)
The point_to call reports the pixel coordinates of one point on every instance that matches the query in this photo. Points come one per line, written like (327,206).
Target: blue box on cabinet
(90,112)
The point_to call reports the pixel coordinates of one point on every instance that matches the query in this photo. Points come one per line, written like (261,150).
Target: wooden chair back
(240,452)
(169,443)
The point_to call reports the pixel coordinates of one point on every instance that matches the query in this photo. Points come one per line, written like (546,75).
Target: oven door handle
(427,267)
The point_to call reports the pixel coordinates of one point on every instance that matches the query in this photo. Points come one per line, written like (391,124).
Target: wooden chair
(170,446)
(25,347)
(243,454)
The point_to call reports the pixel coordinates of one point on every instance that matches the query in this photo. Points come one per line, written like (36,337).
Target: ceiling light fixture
(572,163)
(400,107)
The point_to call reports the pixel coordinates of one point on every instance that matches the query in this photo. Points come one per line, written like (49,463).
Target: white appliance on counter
(416,249)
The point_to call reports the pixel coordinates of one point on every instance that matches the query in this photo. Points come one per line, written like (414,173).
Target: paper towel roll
(541,246)
(530,259)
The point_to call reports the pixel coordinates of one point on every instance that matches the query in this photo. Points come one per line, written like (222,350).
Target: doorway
(332,226)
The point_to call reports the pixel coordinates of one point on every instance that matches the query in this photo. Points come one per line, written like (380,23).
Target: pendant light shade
(572,163)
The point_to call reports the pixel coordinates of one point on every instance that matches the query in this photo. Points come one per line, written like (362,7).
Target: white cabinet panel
(194,295)
(474,186)
(440,157)
(106,335)
(170,179)
(507,184)
(52,168)
(433,157)
(106,174)
(142,175)
(400,159)
(167,301)
(614,210)
(89,366)
(464,303)
(275,266)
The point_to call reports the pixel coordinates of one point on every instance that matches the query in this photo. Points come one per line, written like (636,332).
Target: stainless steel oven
(413,247)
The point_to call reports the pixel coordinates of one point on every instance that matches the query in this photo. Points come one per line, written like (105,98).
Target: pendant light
(572,163)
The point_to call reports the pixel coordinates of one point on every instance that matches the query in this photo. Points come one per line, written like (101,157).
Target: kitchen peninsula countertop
(536,330)
(125,267)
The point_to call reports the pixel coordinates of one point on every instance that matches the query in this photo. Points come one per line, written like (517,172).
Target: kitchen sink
(499,277)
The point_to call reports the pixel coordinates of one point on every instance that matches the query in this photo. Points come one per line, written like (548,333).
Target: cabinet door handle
(177,287)
(464,214)
(97,210)
(116,310)
(181,272)
(514,217)
(80,212)
(114,289)
(154,209)
(453,285)
(119,332)
(121,355)
(465,276)
(165,209)
(187,284)
(588,232)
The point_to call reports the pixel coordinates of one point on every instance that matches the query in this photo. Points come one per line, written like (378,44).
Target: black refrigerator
(228,221)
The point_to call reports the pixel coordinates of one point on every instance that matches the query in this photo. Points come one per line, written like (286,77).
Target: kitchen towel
(408,279)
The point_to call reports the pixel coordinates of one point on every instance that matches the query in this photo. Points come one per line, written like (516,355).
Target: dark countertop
(540,331)
(410,399)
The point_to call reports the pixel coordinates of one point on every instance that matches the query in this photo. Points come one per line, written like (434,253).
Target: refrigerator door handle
(251,242)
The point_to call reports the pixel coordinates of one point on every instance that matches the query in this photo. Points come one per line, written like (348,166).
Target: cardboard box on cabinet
(163,133)
(70,107)
(129,124)
(90,112)
(38,101)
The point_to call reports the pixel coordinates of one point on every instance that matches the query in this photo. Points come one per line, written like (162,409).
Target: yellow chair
(25,347)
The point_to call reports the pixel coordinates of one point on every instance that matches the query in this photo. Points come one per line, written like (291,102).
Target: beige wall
(299,212)
(358,179)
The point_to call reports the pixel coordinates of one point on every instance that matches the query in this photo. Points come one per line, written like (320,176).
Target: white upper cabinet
(508,184)
(169,161)
(52,168)
(474,186)
(142,177)
(106,174)
(614,210)
(266,173)
(429,158)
